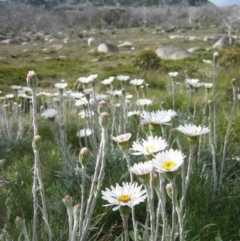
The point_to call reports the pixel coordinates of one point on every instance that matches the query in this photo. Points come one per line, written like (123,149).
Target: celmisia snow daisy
(155,118)
(193,83)
(170,112)
(89,79)
(84,132)
(123,78)
(152,145)
(142,168)
(168,161)
(76,95)
(144,102)
(49,113)
(84,80)
(16,87)
(133,113)
(136,82)
(193,130)
(129,194)
(122,138)
(82,102)
(173,74)
(83,114)
(9,96)
(60,86)
(208,85)
(108,81)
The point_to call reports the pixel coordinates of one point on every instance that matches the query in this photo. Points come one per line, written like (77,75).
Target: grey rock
(223,42)
(173,52)
(107,48)
(195,49)
(212,38)
(94,41)
(126,44)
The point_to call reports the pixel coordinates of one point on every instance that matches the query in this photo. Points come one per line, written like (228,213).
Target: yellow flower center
(167,165)
(124,198)
(149,149)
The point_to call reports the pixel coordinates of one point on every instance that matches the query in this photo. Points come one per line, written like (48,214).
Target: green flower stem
(173,93)
(150,196)
(21,225)
(62,131)
(161,209)
(70,222)
(228,129)
(125,227)
(131,179)
(187,179)
(96,185)
(214,102)
(213,151)
(82,198)
(177,209)
(38,177)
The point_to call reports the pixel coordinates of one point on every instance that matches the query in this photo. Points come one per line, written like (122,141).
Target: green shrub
(230,56)
(147,60)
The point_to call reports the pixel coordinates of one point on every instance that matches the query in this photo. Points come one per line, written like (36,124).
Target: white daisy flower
(144,102)
(26,88)
(137,82)
(122,138)
(76,95)
(101,97)
(173,74)
(122,77)
(191,81)
(81,102)
(9,96)
(168,161)
(87,91)
(115,92)
(130,194)
(208,85)
(155,118)
(152,145)
(133,113)
(193,130)
(49,113)
(16,87)
(170,112)
(108,81)
(92,77)
(142,168)
(60,86)
(129,96)
(84,132)
(84,80)
(83,114)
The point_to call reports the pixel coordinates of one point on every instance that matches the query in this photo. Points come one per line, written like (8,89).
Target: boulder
(94,41)
(223,43)
(212,38)
(195,49)
(176,36)
(126,45)
(107,48)
(172,52)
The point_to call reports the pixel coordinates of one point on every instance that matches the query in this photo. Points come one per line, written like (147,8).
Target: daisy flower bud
(104,119)
(84,156)
(32,79)
(68,202)
(36,141)
(169,190)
